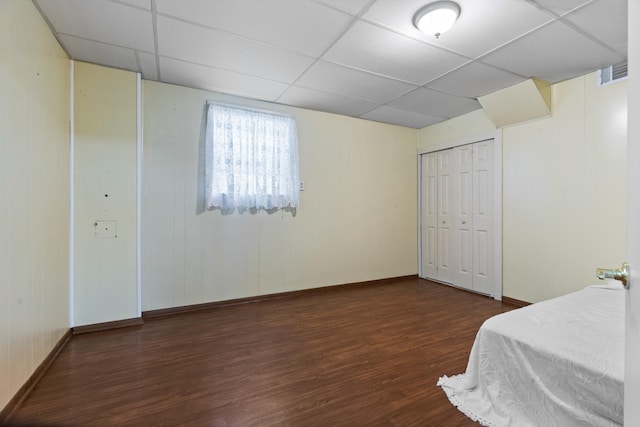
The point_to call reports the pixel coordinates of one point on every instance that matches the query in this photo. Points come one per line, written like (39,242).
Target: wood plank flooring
(365,356)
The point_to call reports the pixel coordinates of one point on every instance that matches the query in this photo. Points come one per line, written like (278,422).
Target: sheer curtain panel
(251,159)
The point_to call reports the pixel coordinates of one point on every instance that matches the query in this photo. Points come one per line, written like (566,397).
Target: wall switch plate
(105,229)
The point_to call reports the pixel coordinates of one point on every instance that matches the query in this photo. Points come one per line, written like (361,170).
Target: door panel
(444,264)
(432,248)
(483,276)
(465,269)
(445,216)
(429,213)
(463,217)
(482,265)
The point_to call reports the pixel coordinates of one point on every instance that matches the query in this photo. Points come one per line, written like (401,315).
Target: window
(252,159)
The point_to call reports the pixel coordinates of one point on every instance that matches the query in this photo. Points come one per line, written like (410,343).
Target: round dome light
(436,18)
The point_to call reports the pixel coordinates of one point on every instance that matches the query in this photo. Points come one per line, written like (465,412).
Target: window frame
(275,151)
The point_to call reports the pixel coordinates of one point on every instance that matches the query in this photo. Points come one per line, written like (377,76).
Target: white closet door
(460,217)
(462,261)
(429,211)
(445,254)
(483,206)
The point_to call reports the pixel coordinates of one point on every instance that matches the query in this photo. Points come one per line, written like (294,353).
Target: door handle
(621,274)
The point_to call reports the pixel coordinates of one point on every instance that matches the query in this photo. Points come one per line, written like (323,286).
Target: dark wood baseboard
(136,321)
(353,357)
(291,294)
(515,302)
(33,380)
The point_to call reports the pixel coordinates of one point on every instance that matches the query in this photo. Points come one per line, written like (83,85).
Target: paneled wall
(560,178)
(105,273)
(357,219)
(34,194)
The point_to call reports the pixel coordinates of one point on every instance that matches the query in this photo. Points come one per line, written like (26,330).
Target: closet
(458,219)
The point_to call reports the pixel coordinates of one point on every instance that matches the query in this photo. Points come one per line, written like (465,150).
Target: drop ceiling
(360,58)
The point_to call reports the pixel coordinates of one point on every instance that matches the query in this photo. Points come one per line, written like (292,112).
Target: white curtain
(251,159)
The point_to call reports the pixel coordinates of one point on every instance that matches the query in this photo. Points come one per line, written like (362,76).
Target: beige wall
(105,273)
(468,125)
(560,176)
(357,219)
(34,194)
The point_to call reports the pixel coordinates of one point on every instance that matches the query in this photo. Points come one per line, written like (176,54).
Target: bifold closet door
(437,237)
(457,236)
(437,214)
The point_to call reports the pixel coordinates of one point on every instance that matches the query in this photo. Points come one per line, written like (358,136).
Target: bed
(555,363)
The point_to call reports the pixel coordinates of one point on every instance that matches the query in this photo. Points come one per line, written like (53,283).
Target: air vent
(612,74)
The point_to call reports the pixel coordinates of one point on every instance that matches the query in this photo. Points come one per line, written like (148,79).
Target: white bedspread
(555,363)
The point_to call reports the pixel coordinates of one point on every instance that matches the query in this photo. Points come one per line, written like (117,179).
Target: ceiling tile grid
(434,103)
(611,31)
(474,79)
(215,48)
(360,58)
(101,21)
(300,26)
(374,49)
(554,53)
(354,83)
(400,117)
(323,101)
(219,80)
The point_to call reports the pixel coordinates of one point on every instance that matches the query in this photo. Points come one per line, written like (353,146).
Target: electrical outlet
(301,185)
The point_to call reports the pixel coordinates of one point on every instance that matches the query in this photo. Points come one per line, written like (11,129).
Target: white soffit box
(519,103)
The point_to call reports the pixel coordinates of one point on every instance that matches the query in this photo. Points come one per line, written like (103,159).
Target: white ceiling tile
(434,103)
(384,52)
(481,27)
(604,20)
(103,21)
(148,66)
(475,79)
(560,7)
(339,80)
(300,25)
(322,101)
(387,114)
(100,53)
(144,4)
(352,7)
(219,49)
(553,53)
(216,80)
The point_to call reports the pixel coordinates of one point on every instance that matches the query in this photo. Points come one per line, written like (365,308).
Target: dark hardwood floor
(361,356)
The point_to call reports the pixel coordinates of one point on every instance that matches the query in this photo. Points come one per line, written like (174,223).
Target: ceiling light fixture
(437,17)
